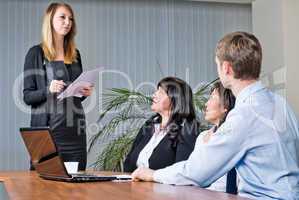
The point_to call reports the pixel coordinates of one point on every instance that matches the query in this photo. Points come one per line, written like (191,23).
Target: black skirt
(67,123)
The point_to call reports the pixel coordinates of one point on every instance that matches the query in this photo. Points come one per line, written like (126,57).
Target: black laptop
(47,162)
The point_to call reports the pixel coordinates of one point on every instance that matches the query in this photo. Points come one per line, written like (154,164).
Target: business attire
(66,117)
(156,148)
(226,183)
(259,138)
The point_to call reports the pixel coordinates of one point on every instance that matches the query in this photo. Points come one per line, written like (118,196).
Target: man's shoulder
(238,118)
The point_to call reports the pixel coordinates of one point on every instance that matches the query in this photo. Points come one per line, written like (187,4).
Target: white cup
(71,167)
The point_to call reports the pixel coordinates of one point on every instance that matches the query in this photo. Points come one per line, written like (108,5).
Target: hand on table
(143,174)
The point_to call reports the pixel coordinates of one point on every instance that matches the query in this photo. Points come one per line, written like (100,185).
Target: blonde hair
(48,35)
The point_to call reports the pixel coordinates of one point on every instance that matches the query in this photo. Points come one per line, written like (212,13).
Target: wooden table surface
(29,186)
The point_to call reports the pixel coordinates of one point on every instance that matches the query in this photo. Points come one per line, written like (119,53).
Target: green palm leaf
(113,155)
(116,97)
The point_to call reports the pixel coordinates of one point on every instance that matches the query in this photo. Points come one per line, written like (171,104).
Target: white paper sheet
(123,178)
(87,78)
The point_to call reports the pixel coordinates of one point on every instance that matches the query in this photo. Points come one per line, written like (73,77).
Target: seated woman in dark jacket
(169,136)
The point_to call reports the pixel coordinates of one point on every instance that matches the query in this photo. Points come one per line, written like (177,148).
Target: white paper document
(87,78)
(123,178)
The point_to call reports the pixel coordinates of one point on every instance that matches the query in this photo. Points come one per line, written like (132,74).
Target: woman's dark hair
(227,99)
(181,99)
(181,105)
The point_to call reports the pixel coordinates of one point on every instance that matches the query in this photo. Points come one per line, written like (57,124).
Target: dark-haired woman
(221,101)
(169,136)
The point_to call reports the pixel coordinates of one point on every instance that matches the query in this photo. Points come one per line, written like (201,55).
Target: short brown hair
(244,52)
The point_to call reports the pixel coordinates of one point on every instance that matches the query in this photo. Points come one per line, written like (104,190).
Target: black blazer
(36,90)
(166,153)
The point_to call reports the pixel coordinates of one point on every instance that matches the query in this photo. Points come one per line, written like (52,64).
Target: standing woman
(49,68)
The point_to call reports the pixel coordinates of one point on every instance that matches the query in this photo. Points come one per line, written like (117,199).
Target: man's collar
(248,91)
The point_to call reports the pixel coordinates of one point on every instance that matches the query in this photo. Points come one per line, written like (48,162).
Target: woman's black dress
(65,117)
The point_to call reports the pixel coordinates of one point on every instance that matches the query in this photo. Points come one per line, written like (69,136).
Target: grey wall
(280,45)
(131,37)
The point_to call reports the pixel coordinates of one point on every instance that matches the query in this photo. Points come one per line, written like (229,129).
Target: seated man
(259,137)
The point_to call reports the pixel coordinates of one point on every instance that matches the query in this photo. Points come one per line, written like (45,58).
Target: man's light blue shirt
(259,137)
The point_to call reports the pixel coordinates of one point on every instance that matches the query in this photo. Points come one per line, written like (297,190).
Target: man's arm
(210,160)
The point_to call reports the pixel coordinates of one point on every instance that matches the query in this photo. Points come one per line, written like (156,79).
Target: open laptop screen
(43,152)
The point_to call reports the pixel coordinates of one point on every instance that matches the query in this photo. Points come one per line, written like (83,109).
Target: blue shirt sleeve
(221,153)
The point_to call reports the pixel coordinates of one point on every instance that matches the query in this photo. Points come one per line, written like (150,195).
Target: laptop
(47,162)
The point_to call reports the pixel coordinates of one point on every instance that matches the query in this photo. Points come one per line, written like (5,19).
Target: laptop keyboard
(91,177)
(84,175)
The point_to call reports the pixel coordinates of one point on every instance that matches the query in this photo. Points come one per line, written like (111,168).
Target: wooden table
(28,185)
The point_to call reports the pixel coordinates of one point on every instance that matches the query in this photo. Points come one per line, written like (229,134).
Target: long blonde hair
(48,35)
